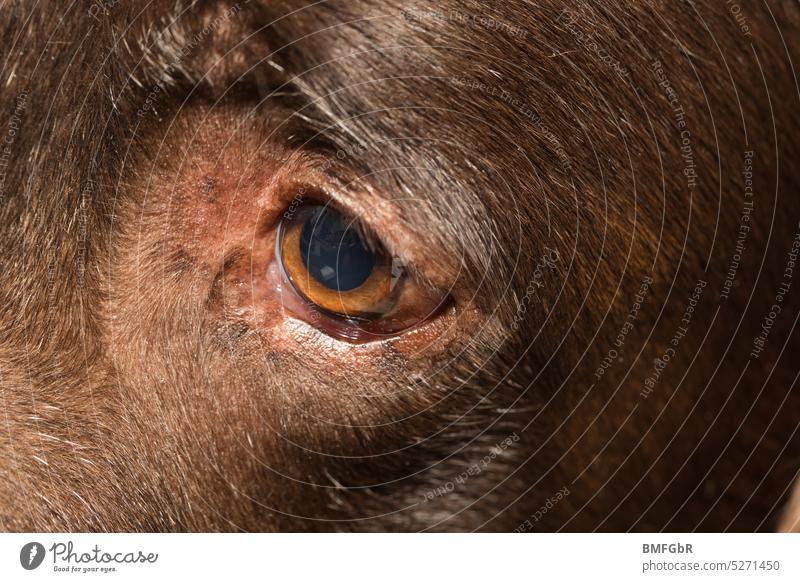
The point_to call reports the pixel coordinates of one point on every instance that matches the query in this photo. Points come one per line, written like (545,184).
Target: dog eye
(355,288)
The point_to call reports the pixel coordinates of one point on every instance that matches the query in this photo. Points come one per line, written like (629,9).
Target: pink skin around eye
(223,214)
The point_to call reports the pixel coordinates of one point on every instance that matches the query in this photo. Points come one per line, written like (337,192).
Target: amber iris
(332,263)
(342,270)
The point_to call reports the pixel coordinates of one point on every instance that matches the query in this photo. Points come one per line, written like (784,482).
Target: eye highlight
(343,273)
(332,263)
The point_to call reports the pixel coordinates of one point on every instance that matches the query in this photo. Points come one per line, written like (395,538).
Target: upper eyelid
(331,189)
(339,179)
(324,176)
(385,217)
(412,270)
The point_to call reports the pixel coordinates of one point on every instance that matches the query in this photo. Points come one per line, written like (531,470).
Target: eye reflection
(343,272)
(334,252)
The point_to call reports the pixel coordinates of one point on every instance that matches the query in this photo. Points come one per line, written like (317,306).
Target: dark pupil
(334,251)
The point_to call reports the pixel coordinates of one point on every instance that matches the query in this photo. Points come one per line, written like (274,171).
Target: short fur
(507,133)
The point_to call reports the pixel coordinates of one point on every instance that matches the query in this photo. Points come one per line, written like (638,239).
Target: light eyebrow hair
(366,150)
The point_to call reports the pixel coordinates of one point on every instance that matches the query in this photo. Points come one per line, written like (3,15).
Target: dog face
(370,266)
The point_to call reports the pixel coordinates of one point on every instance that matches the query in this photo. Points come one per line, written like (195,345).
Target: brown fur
(135,398)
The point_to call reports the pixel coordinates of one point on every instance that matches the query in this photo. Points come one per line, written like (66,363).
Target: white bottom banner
(401,557)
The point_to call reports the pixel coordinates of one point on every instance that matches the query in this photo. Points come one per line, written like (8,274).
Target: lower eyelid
(302,309)
(350,331)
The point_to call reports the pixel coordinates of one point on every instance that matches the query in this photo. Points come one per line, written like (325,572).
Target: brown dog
(590,210)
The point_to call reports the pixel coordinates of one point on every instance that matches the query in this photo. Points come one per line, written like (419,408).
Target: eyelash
(348,284)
